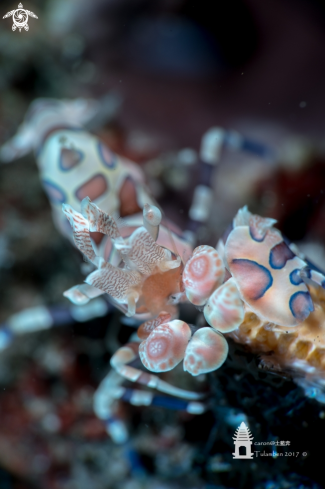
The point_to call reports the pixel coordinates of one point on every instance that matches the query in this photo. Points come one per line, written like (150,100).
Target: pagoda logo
(243,440)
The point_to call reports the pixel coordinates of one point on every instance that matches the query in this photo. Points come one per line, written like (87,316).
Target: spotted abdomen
(267,274)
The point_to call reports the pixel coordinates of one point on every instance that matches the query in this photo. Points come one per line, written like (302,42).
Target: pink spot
(210,350)
(253,279)
(54,193)
(108,158)
(157,348)
(199,267)
(166,344)
(93,189)
(69,158)
(301,305)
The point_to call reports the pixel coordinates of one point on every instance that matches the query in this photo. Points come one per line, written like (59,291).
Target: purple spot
(279,255)
(94,188)
(54,193)
(255,235)
(301,305)
(108,158)
(253,279)
(69,158)
(295,278)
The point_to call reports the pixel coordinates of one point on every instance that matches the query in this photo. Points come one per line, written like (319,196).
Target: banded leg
(307,275)
(145,398)
(41,317)
(105,405)
(110,391)
(81,294)
(129,353)
(212,144)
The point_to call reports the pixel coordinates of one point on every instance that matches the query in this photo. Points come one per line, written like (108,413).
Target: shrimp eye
(175,298)
(172,299)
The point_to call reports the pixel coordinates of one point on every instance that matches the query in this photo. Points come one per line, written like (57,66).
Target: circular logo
(20,19)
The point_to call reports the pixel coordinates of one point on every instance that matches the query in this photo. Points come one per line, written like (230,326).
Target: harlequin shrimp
(140,263)
(72,162)
(252,288)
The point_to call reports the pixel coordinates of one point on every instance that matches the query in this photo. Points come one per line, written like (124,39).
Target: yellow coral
(302,346)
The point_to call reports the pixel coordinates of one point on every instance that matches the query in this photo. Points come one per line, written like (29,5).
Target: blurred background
(173,69)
